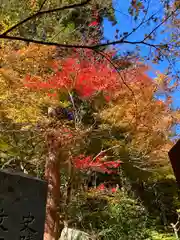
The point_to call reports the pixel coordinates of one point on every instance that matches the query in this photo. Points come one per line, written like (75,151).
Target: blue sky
(125,23)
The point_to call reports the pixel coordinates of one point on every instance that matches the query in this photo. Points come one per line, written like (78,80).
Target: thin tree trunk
(52,175)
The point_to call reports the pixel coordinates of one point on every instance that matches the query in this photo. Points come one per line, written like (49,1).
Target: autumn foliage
(130,107)
(87,76)
(97,164)
(86,117)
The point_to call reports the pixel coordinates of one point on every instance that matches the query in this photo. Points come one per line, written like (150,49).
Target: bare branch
(160,24)
(104,151)
(93,47)
(116,68)
(141,23)
(42,5)
(40,13)
(43,42)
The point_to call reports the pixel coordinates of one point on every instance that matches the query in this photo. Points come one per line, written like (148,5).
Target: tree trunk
(52,175)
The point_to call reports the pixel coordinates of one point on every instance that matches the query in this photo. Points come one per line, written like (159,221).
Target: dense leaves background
(88,118)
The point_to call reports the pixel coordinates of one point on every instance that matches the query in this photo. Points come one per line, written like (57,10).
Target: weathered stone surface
(22,207)
(74,234)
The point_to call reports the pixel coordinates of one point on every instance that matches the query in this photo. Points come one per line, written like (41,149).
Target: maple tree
(21,143)
(79,88)
(87,80)
(90,77)
(108,97)
(148,122)
(83,77)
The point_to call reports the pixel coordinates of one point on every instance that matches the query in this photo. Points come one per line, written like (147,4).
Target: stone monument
(22,207)
(174,156)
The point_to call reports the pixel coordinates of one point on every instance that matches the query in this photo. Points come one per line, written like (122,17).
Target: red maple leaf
(94,23)
(113,190)
(101,187)
(88,162)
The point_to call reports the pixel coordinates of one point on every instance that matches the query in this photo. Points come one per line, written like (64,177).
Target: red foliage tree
(86,76)
(97,164)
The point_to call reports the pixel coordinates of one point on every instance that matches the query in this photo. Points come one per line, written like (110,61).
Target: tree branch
(104,151)
(40,13)
(160,24)
(141,23)
(121,77)
(92,47)
(42,5)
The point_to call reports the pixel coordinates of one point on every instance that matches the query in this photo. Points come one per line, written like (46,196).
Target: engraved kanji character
(3,216)
(29,237)
(27,222)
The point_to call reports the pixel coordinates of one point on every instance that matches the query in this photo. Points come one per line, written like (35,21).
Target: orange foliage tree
(88,78)
(127,102)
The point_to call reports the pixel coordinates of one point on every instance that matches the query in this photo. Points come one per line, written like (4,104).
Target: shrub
(112,217)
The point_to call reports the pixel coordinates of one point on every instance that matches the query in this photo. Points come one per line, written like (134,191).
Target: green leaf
(71,26)
(4,146)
